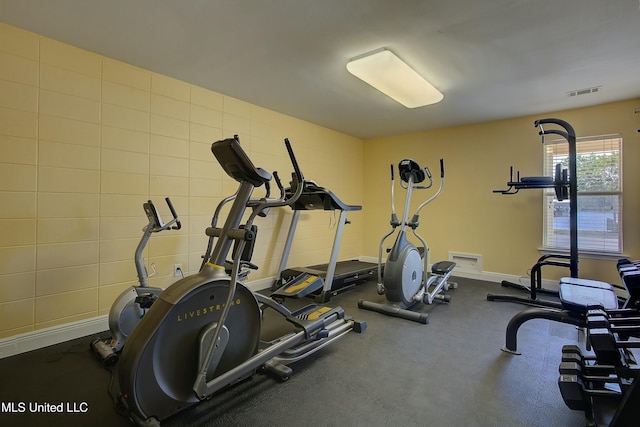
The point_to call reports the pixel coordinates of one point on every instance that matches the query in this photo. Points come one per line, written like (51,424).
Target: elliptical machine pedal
(299,287)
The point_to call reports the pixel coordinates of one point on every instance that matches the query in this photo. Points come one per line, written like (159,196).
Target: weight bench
(577,297)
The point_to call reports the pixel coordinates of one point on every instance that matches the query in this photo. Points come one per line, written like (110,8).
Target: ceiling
(492,59)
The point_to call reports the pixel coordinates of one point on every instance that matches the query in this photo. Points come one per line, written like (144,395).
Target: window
(599,170)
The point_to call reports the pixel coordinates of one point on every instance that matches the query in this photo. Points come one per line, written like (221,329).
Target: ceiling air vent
(587,91)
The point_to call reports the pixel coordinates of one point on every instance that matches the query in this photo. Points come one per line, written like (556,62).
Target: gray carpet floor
(450,372)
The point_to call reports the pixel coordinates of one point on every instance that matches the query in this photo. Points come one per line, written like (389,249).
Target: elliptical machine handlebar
(432,198)
(394,217)
(279,184)
(294,162)
(283,200)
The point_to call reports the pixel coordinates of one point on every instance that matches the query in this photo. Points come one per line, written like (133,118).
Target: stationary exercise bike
(203,333)
(406,280)
(132,304)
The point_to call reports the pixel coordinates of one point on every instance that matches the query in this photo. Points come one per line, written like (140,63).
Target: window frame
(549,243)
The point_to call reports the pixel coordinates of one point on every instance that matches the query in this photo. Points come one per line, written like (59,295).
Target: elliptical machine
(132,304)
(203,333)
(406,280)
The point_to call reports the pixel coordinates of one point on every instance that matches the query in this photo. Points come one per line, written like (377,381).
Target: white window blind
(599,171)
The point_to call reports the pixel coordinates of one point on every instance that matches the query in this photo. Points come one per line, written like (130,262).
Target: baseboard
(29,341)
(49,336)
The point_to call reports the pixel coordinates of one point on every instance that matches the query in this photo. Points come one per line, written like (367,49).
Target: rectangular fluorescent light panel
(386,72)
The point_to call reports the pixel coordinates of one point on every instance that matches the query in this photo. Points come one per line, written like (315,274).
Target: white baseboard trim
(28,341)
(487,276)
(40,338)
(57,334)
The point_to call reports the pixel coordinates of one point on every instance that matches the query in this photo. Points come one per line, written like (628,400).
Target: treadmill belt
(346,272)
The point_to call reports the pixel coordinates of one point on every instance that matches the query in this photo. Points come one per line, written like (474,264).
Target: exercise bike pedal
(146,300)
(105,352)
(299,287)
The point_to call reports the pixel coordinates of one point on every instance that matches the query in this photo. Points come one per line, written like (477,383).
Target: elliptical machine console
(406,280)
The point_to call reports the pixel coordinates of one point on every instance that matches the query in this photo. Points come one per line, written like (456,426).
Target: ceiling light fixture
(386,72)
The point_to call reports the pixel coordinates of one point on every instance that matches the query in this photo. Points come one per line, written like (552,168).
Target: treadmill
(337,276)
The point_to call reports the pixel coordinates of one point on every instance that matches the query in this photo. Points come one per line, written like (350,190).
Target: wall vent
(586,91)
(466,262)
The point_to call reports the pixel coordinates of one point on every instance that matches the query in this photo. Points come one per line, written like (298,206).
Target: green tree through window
(599,181)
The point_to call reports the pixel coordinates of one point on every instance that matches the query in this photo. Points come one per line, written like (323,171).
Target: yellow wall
(468,217)
(85,140)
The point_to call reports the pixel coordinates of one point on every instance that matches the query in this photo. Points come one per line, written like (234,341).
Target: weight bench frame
(577,297)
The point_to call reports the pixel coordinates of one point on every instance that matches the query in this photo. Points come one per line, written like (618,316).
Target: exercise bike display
(406,280)
(132,304)
(203,333)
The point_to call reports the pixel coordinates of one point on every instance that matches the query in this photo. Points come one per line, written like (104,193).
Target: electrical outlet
(177,270)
